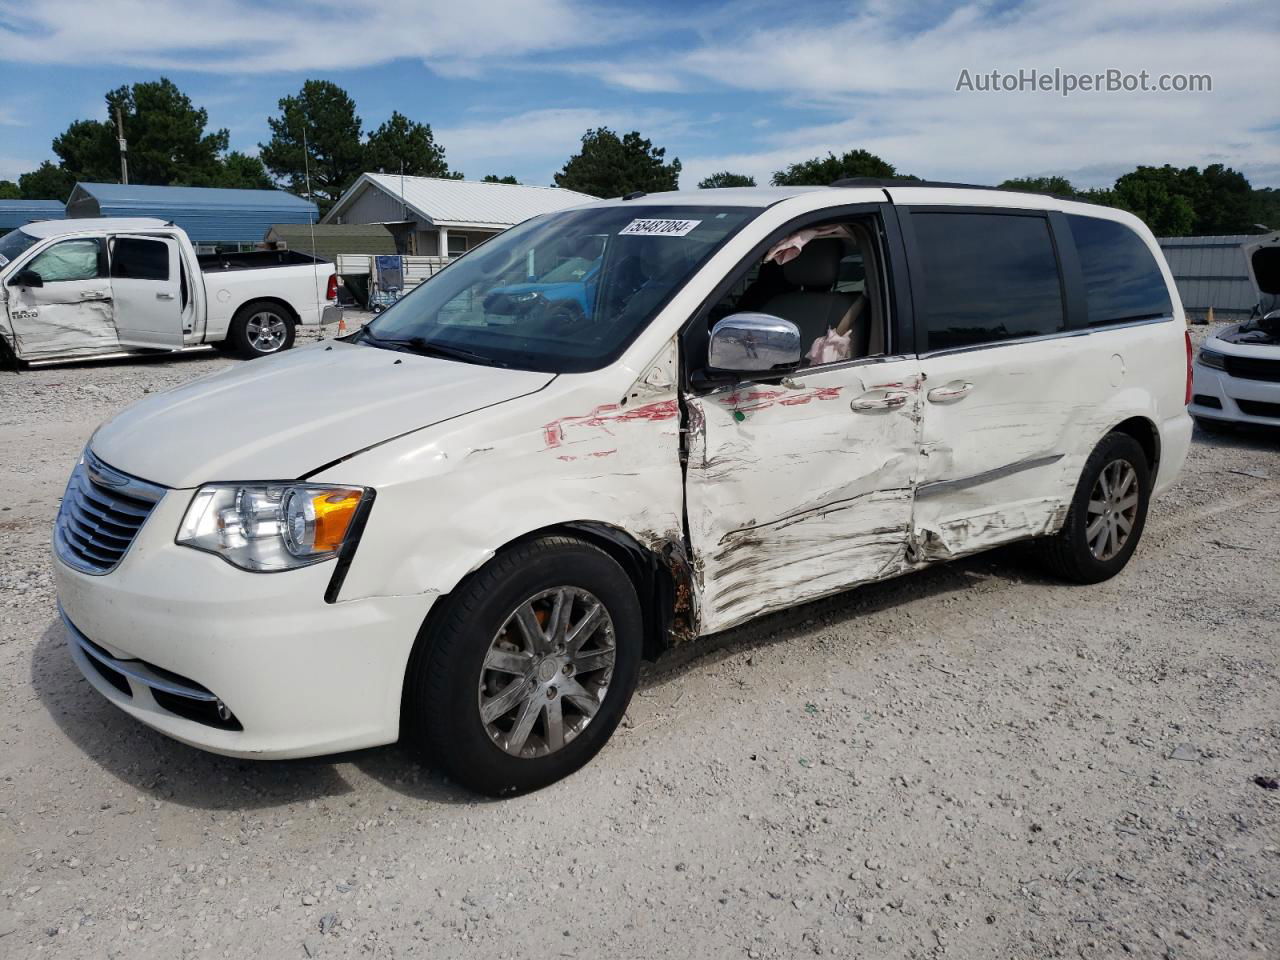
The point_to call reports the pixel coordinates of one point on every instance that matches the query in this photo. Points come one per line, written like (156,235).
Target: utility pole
(124,147)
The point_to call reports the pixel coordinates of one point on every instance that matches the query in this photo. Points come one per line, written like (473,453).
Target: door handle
(164,296)
(94,296)
(950,392)
(880,400)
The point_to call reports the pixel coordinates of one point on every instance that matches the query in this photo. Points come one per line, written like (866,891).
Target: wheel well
(275,301)
(1144,431)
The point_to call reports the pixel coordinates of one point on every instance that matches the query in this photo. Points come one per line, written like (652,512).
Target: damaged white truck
(90,289)
(467,523)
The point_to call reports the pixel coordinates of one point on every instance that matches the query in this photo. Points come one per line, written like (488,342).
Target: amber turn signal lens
(334,512)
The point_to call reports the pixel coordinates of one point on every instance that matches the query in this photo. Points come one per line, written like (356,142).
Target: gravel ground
(970,762)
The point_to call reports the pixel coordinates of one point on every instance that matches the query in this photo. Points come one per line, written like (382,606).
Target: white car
(470,521)
(93,288)
(1237,375)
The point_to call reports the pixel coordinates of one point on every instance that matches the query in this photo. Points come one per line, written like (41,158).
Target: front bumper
(1217,396)
(298,676)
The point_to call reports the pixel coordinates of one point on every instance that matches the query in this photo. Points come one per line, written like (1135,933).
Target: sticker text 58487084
(658,228)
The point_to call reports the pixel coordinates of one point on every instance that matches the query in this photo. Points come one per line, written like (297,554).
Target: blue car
(568,288)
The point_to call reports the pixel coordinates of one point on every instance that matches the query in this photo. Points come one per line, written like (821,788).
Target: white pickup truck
(78,289)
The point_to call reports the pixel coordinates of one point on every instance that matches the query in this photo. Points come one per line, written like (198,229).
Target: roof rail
(907,182)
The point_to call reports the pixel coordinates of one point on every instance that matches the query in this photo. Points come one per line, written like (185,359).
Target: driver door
(146,284)
(69,314)
(804,486)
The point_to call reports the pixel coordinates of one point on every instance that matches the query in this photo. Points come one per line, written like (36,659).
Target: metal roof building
(329,240)
(209,215)
(1214,272)
(435,216)
(15,213)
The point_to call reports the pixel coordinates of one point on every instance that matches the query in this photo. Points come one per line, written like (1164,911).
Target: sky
(509,87)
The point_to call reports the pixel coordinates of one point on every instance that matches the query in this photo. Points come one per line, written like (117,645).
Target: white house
(433,216)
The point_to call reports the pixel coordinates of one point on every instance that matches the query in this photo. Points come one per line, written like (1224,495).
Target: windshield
(562,293)
(13,243)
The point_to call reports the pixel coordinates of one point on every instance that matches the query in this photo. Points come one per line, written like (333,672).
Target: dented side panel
(1001,462)
(576,451)
(792,494)
(71,318)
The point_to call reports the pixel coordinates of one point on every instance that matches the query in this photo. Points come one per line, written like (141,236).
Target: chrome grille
(101,513)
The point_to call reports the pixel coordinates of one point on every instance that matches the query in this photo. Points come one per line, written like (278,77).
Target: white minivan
(606,431)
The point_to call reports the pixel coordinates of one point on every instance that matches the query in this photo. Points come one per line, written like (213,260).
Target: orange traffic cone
(342,325)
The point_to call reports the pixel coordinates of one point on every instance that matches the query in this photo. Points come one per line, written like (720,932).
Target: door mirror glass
(753,343)
(27,278)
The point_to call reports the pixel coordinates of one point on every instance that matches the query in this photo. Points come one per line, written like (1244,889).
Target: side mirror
(754,343)
(26,278)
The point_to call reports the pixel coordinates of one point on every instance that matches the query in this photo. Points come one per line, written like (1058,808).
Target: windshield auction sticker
(658,228)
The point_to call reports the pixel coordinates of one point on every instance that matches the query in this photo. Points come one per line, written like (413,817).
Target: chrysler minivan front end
(177,612)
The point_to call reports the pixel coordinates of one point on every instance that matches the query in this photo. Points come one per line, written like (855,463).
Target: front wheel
(260,329)
(1107,515)
(529,668)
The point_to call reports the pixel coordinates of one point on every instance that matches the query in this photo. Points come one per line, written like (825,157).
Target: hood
(282,417)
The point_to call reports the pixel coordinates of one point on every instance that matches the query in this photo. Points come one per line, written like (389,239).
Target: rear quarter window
(1121,278)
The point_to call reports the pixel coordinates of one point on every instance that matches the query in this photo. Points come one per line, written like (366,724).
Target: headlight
(1211,359)
(267,527)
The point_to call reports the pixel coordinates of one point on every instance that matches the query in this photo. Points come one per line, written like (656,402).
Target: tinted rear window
(1121,279)
(987,277)
(138,259)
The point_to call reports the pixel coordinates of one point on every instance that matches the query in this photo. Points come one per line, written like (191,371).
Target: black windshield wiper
(428,348)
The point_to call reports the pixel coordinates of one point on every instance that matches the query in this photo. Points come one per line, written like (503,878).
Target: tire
(247,337)
(1072,553)
(451,677)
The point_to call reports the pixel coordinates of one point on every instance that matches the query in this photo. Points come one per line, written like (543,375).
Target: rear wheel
(259,329)
(1107,515)
(529,668)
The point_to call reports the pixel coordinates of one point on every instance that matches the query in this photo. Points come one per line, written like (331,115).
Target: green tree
(1224,204)
(10,190)
(1264,207)
(613,166)
(726,179)
(1158,196)
(87,150)
(324,116)
(494,178)
(241,171)
(166,133)
(47,182)
(1057,186)
(822,171)
(402,141)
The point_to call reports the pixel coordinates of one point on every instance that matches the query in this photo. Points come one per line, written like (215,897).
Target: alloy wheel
(266,332)
(1113,509)
(547,672)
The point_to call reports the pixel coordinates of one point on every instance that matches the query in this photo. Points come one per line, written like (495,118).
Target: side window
(69,260)
(986,277)
(1121,279)
(827,280)
(135,258)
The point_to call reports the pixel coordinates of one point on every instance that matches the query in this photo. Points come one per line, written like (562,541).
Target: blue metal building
(14,213)
(212,216)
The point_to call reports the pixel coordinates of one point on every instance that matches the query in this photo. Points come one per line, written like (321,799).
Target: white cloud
(240,36)
(879,74)
(893,91)
(545,139)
